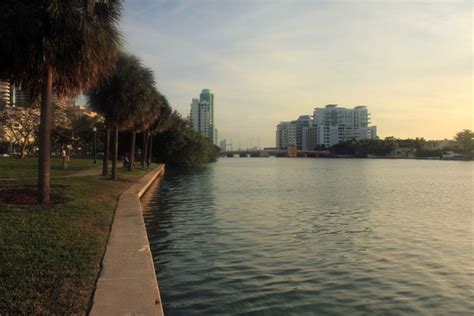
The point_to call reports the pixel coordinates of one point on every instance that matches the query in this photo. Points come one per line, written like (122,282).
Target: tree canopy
(19,125)
(180,145)
(68,45)
(465,142)
(79,42)
(126,98)
(163,121)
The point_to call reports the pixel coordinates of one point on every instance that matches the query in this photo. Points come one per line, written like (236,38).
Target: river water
(278,236)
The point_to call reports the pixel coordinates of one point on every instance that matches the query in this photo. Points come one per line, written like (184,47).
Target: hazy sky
(271,61)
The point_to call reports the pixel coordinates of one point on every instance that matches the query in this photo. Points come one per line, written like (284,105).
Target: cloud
(271,61)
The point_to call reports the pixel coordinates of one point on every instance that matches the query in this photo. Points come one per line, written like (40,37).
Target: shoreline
(127,283)
(370,158)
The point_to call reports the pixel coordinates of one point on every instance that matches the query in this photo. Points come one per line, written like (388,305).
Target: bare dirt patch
(26,196)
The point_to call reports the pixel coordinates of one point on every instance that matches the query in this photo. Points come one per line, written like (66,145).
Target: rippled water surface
(314,236)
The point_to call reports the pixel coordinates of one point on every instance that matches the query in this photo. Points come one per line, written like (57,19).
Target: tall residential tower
(202,115)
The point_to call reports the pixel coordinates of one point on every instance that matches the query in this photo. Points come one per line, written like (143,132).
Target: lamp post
(94,130)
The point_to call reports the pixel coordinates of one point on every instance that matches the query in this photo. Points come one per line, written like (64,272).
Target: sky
(268,61)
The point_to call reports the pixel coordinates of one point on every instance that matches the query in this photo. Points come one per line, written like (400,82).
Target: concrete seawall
(127,283)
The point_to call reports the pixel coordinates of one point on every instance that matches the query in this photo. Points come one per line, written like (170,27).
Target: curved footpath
(127,283)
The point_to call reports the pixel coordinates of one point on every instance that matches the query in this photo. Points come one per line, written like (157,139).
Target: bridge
(275,153)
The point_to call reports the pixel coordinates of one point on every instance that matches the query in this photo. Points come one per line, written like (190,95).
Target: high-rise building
(337,124)
(294,133)
(282,135)
(302,124)
(22,98)
(223,145)
(312,138)
(11,95)
(330,125)
(333,115)
(207,96)
(5,94)
(202,115)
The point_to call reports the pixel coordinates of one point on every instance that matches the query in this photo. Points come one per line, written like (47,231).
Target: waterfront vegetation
(465,142)
(418,147)
(180,145)
(74,47)
(54,225)
(66,45)
(50,254)
(129,101)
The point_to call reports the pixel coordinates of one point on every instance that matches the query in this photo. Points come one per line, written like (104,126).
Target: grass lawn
(28,168)
(50,255)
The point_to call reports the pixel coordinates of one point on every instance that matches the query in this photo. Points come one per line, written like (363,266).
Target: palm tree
(146,137)
(123,98)
(147,114)
(465,142)
(159,125)
(155,112)
(105,159)
(66,44)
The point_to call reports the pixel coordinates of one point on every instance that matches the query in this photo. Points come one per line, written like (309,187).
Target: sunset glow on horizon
(271,61)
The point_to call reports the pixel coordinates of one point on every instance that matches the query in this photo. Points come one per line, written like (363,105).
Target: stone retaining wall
(127,283)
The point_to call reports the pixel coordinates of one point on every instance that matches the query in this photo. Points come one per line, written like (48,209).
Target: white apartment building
(5,94)
(332,115)
(337,124)
(282,135)
(328,126)
(287,134)
(294,133)
(200,117)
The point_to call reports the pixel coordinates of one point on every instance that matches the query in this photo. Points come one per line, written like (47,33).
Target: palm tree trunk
(115,154)
(150,150)
(45,137)
(131,165)
(89,7)
(105,163)
(144,148)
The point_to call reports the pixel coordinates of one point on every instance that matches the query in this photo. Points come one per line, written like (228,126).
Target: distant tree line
(180,145)
(463,143)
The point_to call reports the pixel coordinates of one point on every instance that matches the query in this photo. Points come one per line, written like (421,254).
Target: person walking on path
(126,162)
(65,155)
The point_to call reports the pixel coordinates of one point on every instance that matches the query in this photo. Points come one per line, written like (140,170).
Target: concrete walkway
(95,171)
(127,283)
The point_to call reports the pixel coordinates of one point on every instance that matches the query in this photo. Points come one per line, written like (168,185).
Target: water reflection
(195,184)
(314,236)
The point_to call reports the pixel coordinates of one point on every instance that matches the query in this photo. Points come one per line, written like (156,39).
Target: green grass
(28,168)
(50,255)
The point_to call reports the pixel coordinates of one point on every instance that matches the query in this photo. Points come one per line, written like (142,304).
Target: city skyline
(409,62)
